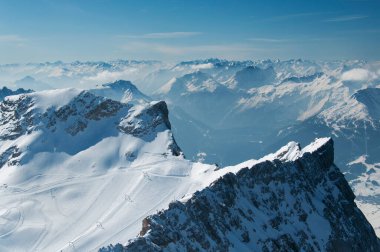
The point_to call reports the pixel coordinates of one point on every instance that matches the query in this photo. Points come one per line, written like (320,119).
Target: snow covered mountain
(195,94)
(190,83)
(219,70)
(362,107)
(245,117)
(215,123)
(305,99)
(298,201)
(250,117)
(64,158)
(123,91)
(31,83)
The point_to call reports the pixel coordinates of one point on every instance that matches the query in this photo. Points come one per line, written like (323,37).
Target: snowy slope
(73,165)
(304,99)
(362,107)
(190,83)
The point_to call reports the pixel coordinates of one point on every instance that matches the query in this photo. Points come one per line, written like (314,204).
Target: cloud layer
(163,35)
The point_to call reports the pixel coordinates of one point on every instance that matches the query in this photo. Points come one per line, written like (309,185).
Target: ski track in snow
(66,224)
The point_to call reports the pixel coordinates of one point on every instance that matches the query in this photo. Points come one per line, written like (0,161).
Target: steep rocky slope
(355,126)
(297,202)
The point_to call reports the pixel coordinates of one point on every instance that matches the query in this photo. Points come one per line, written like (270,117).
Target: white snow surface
(60,201)
(372,213)
(190,83)
(367,187)
(51,98)
(123,91)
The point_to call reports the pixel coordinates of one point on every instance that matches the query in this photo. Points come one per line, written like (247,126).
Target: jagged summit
(121,85)
(252,76)
(123,91)
(298,204)
(303,79)
(4,91)
(215,62)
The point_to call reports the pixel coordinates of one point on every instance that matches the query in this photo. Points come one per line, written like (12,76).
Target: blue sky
(68,30)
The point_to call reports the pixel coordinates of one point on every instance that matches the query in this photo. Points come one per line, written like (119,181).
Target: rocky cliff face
(301,203)
(20,116)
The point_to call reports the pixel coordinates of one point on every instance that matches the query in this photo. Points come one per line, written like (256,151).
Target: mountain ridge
(241,211)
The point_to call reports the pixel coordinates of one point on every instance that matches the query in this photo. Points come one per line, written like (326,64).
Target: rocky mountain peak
(123,91)
(80,117)
(4,91)
(121,85)
(252,76)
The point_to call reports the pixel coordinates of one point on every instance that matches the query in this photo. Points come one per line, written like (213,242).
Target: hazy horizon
(174,62)
(176,30)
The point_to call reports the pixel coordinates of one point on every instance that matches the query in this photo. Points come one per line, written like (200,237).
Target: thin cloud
(346,18)
(268,40)
(357,31)
(11,38)
(294,40)
(163,35)
(357,74)
(179,50)
(296,16)
(169,51)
